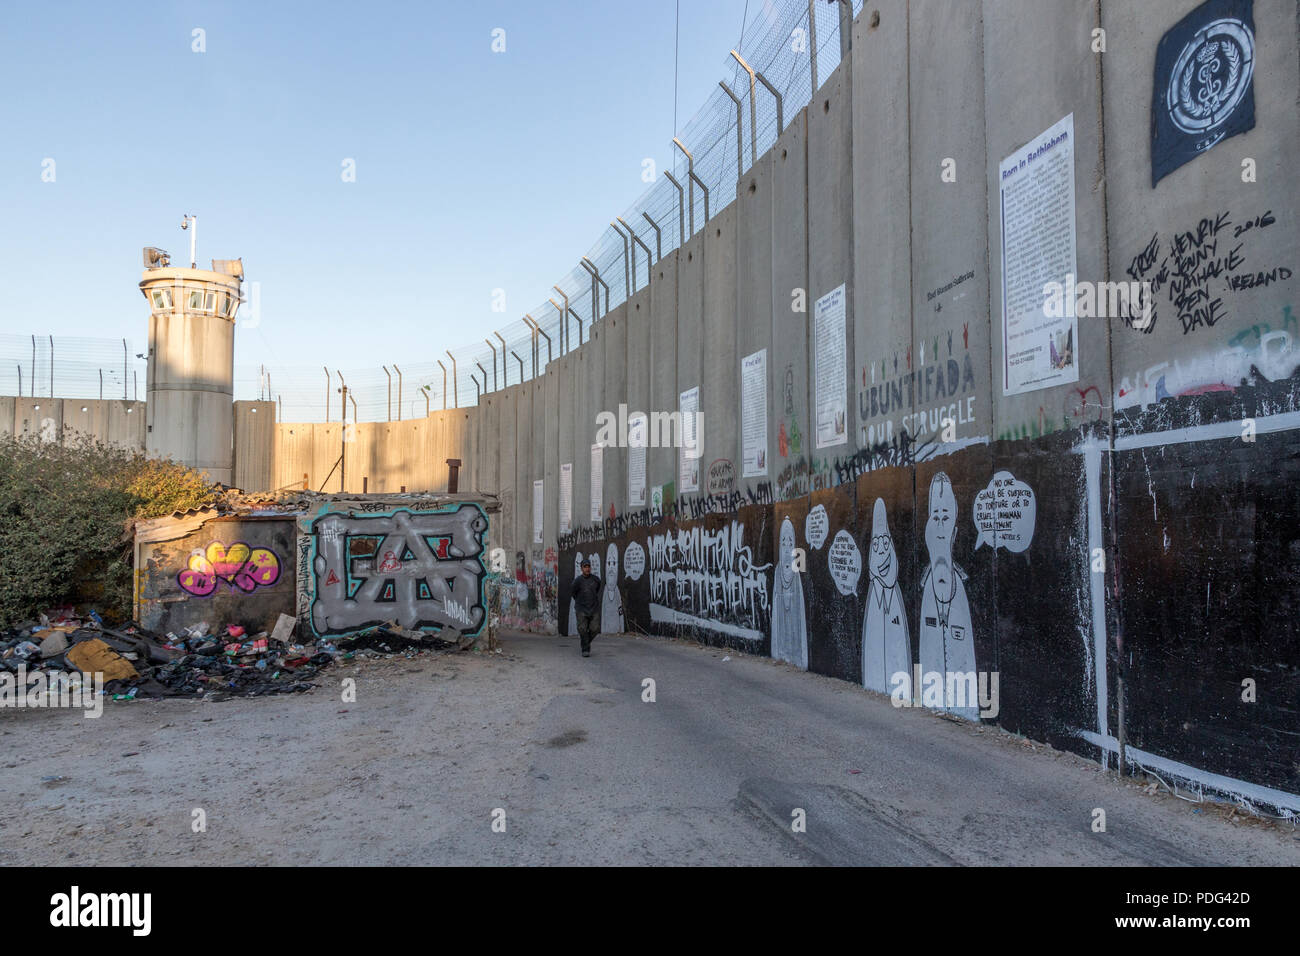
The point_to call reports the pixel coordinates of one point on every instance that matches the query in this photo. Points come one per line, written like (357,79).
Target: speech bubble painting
(817,526)
(634,561)
(845,562)
(1005,513)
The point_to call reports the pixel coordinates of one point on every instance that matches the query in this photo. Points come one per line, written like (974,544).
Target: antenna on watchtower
(191,223)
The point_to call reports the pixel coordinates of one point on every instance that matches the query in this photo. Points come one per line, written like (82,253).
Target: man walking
(586,600)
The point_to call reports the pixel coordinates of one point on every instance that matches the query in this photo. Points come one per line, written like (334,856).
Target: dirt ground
(410,772)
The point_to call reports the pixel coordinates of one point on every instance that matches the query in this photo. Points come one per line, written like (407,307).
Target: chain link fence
(778,41)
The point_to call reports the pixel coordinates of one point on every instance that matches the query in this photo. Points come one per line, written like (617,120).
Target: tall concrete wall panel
(690,351)
(524,466)
(638,395)
(42,417)
(254,445)
(1205,395)
(720,397)
(790,445)
(566,426)
(293,456)
(326,447)
(661,352)
(508,467)
(583,436)
(114,421)
(830,239)
(547,410)
(754,320)
(1048,83)
(882,240)
(595,404)
(613,336)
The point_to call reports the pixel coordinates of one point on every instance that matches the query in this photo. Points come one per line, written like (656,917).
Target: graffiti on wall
(896,399)
(1196,272)
(886,647)
(237,566)
(423,570)
(611,604)
(789,614)
(707,577)
(1255,356)
(947,640)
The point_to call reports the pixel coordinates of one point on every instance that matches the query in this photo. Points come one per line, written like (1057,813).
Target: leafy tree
(66,516)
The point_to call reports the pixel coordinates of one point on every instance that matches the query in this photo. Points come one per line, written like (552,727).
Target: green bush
(66,512)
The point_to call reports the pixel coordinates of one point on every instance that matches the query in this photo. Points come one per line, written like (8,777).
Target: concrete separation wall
(1085,518)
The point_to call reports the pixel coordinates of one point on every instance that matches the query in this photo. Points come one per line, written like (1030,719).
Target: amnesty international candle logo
(1203,83)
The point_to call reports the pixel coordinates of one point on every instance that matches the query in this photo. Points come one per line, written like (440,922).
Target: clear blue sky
(475,170)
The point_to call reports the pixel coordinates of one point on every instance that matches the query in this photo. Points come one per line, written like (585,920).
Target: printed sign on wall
(689,456)
(539,502)
(753,413)
(831,377)
(638,438)
(597,481)
(1040,347)
(566,497)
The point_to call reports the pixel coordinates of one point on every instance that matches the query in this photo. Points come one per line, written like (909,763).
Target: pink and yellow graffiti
(238,565)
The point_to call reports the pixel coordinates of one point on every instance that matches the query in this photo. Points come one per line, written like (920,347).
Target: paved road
(712,771)
(408,769)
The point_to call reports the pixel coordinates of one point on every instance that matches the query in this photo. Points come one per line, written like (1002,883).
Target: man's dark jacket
(586,593)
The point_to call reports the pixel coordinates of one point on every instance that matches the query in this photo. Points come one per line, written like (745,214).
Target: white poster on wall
(566,497)
(597,480)
(753,414)
(539,502)
(638,437)
(1040,331)
(689,457)
(830,379)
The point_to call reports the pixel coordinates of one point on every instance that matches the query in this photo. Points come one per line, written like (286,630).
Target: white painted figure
(611,608)
(947,643)
(573,608)
(886,649)
(789,623)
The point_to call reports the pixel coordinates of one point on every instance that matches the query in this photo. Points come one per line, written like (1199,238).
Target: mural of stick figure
(886,649)
(947,641)
(611,609)
(573,608)
(789,623)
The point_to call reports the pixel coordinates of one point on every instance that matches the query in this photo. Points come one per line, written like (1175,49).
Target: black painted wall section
(1210,552)
(1197,587)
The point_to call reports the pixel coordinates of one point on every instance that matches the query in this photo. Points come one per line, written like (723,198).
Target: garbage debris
(200,661)
(96,657)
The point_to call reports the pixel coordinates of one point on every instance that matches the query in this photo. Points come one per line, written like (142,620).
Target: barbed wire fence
(791,44)
(67,366)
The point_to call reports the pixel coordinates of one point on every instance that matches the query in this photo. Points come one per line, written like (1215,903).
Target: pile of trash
(199,661)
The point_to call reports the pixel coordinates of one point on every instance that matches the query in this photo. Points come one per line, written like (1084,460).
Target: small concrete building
(337,563)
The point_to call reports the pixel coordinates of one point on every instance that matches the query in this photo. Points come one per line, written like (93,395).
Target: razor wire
(66,366)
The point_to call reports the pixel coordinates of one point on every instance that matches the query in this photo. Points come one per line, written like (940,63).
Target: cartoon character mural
(947,642)
(886,649)
(789,622)
(573,608)
(611,610)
